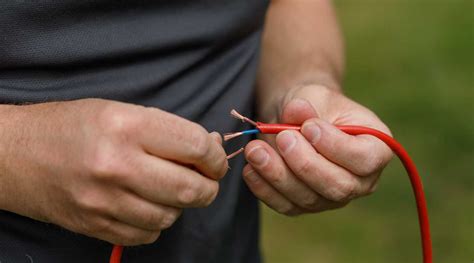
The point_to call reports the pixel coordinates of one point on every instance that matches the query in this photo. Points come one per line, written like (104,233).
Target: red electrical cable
(116,255)
(396,147)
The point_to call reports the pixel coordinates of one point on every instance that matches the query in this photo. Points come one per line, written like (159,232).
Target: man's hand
(320,168)
(110,170)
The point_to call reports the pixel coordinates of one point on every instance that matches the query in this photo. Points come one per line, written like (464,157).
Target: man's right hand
(110,170)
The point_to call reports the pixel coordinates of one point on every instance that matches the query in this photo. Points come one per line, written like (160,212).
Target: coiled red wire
(396,147)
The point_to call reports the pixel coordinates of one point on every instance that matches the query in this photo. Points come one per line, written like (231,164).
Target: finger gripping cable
(396,147)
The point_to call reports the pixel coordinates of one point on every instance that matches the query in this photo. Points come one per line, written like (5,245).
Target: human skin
(110,170)
(299,82)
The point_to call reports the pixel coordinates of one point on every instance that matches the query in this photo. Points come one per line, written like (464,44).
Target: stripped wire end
(229,136)
(232,155)
(239,116)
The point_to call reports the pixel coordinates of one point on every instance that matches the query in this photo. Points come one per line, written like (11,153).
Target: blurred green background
(412,63)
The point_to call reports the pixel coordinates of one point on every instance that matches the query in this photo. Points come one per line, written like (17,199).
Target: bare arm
(302,45)
(299,82)
(115,171)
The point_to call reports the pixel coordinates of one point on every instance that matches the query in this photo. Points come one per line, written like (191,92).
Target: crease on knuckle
(275,177)
(372,160)
(311,201)
(118,121)
(100,226)
(343,190)
(305,168)
(90,201)
(188,195)
(168,220)
(103,162)
(153,220)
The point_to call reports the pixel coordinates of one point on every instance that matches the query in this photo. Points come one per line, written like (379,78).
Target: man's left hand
(321,167)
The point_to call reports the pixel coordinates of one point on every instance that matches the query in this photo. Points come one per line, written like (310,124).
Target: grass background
(411,61)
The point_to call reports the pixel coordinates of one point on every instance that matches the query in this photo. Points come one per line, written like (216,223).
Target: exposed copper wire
(241,117)
(229,136)
(232,155)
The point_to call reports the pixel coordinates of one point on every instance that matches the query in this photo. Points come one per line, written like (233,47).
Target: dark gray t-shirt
(195,58)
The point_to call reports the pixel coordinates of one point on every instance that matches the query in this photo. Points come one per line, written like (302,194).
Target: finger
(138,212)
(217,137)
(119,233)
(267,194)
(271,167)
(331,181)
(362,155)
(297,110)
(171,137)
(162,181)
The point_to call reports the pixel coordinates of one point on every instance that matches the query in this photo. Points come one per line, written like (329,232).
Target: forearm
(301,45)
(7,116)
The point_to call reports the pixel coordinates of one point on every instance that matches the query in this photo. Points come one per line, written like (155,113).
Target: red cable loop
(396,147)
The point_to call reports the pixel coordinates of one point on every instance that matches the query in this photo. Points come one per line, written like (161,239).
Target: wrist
(271,100)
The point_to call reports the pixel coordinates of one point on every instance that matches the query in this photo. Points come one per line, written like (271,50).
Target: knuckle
(276,178)
(115,120)
(151,237)
(211,196)
(310,202)
(188,195)
(198,194)
(104,159)
(373,163)
(168,220)
(343,190)
(285,209)
(100,226)
(137,237)
(102,162)
(153,220)
(200,144)
(90,201)
(305,168)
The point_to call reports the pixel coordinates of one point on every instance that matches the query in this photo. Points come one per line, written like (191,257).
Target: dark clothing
(195,58)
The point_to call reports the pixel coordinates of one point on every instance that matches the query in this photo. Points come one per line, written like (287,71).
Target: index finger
(174,138)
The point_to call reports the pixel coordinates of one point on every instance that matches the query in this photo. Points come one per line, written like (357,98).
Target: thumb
(296,111)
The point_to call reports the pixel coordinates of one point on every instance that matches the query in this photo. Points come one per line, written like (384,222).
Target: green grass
(412,63)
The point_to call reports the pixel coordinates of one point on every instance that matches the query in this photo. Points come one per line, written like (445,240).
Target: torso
(193,58)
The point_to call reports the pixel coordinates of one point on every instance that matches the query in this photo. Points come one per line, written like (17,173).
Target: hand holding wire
(306,173)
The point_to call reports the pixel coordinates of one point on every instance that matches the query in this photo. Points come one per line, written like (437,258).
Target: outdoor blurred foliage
(412,63)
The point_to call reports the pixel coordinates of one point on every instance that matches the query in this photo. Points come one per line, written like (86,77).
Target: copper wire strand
(229,136)
(232,135)
(241,117)
(232,155)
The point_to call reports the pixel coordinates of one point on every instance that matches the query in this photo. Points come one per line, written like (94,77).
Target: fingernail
(311,131)
(286,140)
(251,176)
(258,156)
(300,102)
